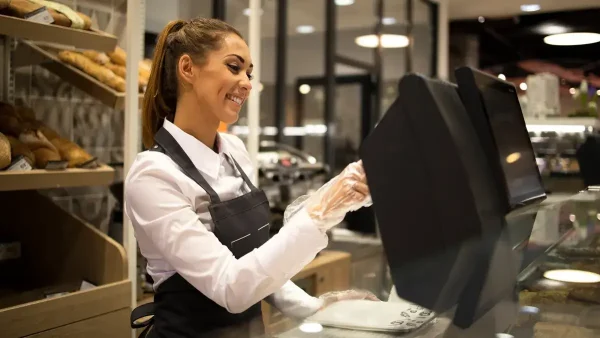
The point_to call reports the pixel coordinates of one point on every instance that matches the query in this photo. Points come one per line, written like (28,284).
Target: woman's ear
(186,69)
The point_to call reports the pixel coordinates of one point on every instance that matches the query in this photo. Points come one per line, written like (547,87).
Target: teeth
(235,99)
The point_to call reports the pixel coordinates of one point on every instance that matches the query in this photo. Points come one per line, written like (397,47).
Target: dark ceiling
(505,42)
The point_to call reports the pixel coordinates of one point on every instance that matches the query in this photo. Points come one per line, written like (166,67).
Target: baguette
(43,149)
(71,152)
(122,70)
(118,56)
(98,57)
(20,8)
(19,148)
(98,72)
(5,155)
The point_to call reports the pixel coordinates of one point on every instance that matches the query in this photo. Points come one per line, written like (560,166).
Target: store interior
(433,95)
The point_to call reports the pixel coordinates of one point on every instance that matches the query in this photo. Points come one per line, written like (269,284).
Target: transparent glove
(344,193)
(336,296)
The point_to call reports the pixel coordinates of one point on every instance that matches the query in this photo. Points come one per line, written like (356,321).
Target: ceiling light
(572,39)
(598,92)
(573,276)
(304,89)
(344,2)
(247,11)
(502,76)
(387,41)
(305,29)
(388,21)
(572,91)
(530,8)
(551,28)
(481,19)
(523,86)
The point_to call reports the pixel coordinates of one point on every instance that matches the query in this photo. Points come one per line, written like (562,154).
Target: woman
(201,224)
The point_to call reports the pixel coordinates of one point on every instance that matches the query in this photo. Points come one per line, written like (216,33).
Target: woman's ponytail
(158,97)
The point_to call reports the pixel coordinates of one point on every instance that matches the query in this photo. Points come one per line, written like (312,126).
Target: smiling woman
(201,224)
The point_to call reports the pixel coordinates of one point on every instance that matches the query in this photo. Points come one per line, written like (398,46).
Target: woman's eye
(234,68)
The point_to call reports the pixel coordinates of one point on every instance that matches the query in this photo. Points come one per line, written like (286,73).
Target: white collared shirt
(174,230)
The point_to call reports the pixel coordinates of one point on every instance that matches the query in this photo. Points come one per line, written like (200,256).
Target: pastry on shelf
(93,69)
(98,57)
(11,122)
(71,152)
(118,56)
(19,148)
(5,155)
(43,149)
(63,15)
(586,294)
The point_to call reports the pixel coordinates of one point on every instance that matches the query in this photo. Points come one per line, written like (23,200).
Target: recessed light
(344,2)
(481,19)
(304,89)
(530,8)
(247,11)
(551,28)
(305,29)
(523,86)
(573,276)
(502,76)
(388,21)
(572,39)
(387,41)
(572,91)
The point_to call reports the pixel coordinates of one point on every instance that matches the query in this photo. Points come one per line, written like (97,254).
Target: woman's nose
(246,84)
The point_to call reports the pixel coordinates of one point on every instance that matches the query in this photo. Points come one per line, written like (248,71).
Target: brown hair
(197,38)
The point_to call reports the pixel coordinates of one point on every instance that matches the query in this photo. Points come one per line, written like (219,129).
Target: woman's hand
(344,193)
(336,296)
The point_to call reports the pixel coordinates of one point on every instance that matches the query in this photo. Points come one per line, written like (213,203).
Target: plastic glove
(344,193)
(336,296)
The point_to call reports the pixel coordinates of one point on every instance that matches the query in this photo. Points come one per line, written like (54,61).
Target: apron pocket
(242,245)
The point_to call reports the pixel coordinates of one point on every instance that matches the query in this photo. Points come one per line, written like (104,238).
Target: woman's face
(222,83)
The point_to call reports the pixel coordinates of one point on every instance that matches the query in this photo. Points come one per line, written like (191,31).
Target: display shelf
(564,121)
(28,53)
(47,179)
(29,30)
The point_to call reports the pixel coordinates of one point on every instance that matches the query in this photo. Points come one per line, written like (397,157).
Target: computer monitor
(494,109)
(438,205)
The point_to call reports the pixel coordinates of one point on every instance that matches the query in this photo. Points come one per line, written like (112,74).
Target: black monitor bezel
(469,79)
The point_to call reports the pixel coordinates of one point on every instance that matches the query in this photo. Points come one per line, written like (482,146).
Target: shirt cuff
(296,245)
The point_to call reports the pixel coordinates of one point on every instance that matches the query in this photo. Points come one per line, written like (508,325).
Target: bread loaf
(5,156)
(10,122)
(98,57)
(59,12)
(117,69)
(71,152)
(4,4)
(100,73)
(43,149)
(19,148)
(118,56)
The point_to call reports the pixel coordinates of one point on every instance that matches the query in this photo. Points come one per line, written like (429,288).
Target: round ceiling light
(344,2)
(304,89)
(305,29)
(572,39)
(387,41)
(573,276)
(530,8)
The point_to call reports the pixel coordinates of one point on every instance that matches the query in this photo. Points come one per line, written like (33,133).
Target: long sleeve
(294,302)
(162,215)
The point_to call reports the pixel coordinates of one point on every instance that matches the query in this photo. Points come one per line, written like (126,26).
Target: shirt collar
(203,158)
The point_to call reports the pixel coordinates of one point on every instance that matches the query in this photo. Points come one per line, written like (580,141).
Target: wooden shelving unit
(47,179)
(77,38)
(29,53)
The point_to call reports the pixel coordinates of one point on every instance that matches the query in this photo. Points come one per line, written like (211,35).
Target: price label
(19,164)
(40,15)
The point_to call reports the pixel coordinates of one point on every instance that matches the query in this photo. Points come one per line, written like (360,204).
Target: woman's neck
(195,121)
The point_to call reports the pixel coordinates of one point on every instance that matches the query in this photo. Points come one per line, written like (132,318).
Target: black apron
(242,224)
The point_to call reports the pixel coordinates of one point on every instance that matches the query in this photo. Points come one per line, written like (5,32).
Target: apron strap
(166,141)
(243,174)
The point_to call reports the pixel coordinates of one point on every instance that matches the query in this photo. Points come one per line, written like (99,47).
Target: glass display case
(556,247)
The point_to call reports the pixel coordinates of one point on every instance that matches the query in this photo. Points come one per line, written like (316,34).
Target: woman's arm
(161,213)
